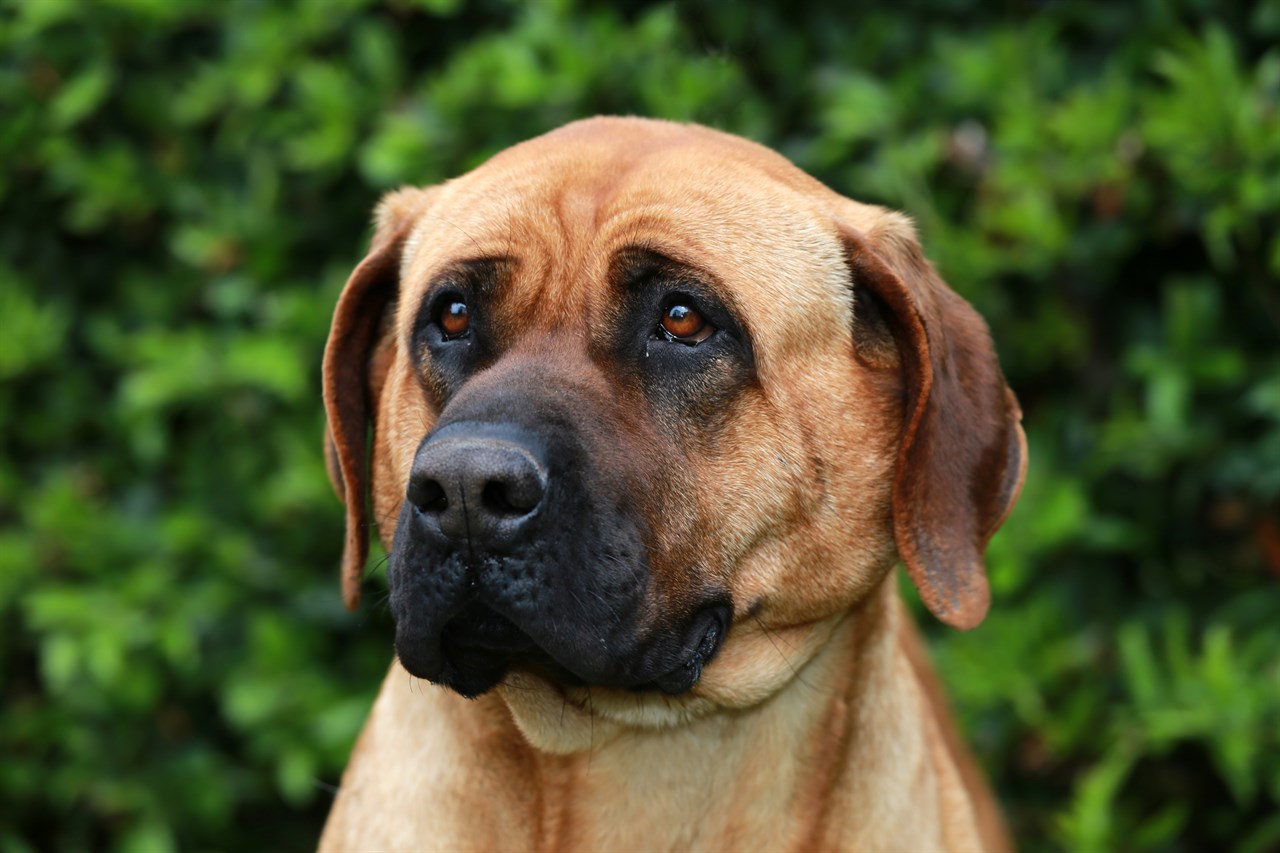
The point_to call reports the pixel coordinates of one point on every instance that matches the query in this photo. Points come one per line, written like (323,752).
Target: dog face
(637,387)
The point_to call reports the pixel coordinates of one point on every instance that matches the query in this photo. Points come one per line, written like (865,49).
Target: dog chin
(561,719)
(752,667)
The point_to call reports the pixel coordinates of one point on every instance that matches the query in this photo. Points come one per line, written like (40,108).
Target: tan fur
(819,725)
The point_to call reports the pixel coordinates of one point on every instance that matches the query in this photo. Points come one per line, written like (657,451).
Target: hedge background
(187,184)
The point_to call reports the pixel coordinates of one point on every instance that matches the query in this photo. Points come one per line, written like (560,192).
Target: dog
(654,416)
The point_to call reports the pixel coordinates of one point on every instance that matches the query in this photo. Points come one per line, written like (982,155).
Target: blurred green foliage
(187,184)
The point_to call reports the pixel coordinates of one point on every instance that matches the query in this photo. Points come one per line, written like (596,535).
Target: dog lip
(480,645)
(421,659)
(481,628)
(470,655)
(710,627)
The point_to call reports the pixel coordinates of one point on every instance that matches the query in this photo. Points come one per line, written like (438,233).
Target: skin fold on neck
(776,770)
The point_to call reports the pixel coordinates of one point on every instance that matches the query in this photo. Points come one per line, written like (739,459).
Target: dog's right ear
(370,292)
(962,453)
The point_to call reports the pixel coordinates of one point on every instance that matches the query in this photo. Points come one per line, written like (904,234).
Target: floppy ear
(369,293)
(962,453)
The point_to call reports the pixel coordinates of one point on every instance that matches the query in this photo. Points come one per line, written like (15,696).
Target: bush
(188,184)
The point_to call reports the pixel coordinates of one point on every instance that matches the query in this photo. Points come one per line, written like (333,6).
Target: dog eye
(682,322)
(454,319)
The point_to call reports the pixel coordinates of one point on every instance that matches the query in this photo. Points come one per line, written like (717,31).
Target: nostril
(428,496)
(509,498)
(478,488)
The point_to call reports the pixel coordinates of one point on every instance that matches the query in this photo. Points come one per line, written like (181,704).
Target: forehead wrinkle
(567,204)
(560,225)
(766,243)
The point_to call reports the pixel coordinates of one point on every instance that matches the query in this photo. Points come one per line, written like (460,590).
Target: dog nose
(482,490)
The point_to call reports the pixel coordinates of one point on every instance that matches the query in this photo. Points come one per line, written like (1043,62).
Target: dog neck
(776,770)
(836,758)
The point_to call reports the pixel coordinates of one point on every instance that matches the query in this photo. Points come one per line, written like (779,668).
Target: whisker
(769,635)
(371,570)
(591,740)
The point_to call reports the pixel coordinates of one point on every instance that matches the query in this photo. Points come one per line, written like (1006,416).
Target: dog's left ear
(962,453)
(369,294)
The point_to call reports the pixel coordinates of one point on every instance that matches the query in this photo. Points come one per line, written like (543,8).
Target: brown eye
(454,320)
(683,323)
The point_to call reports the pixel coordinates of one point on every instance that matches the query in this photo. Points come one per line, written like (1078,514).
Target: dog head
(636,387)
